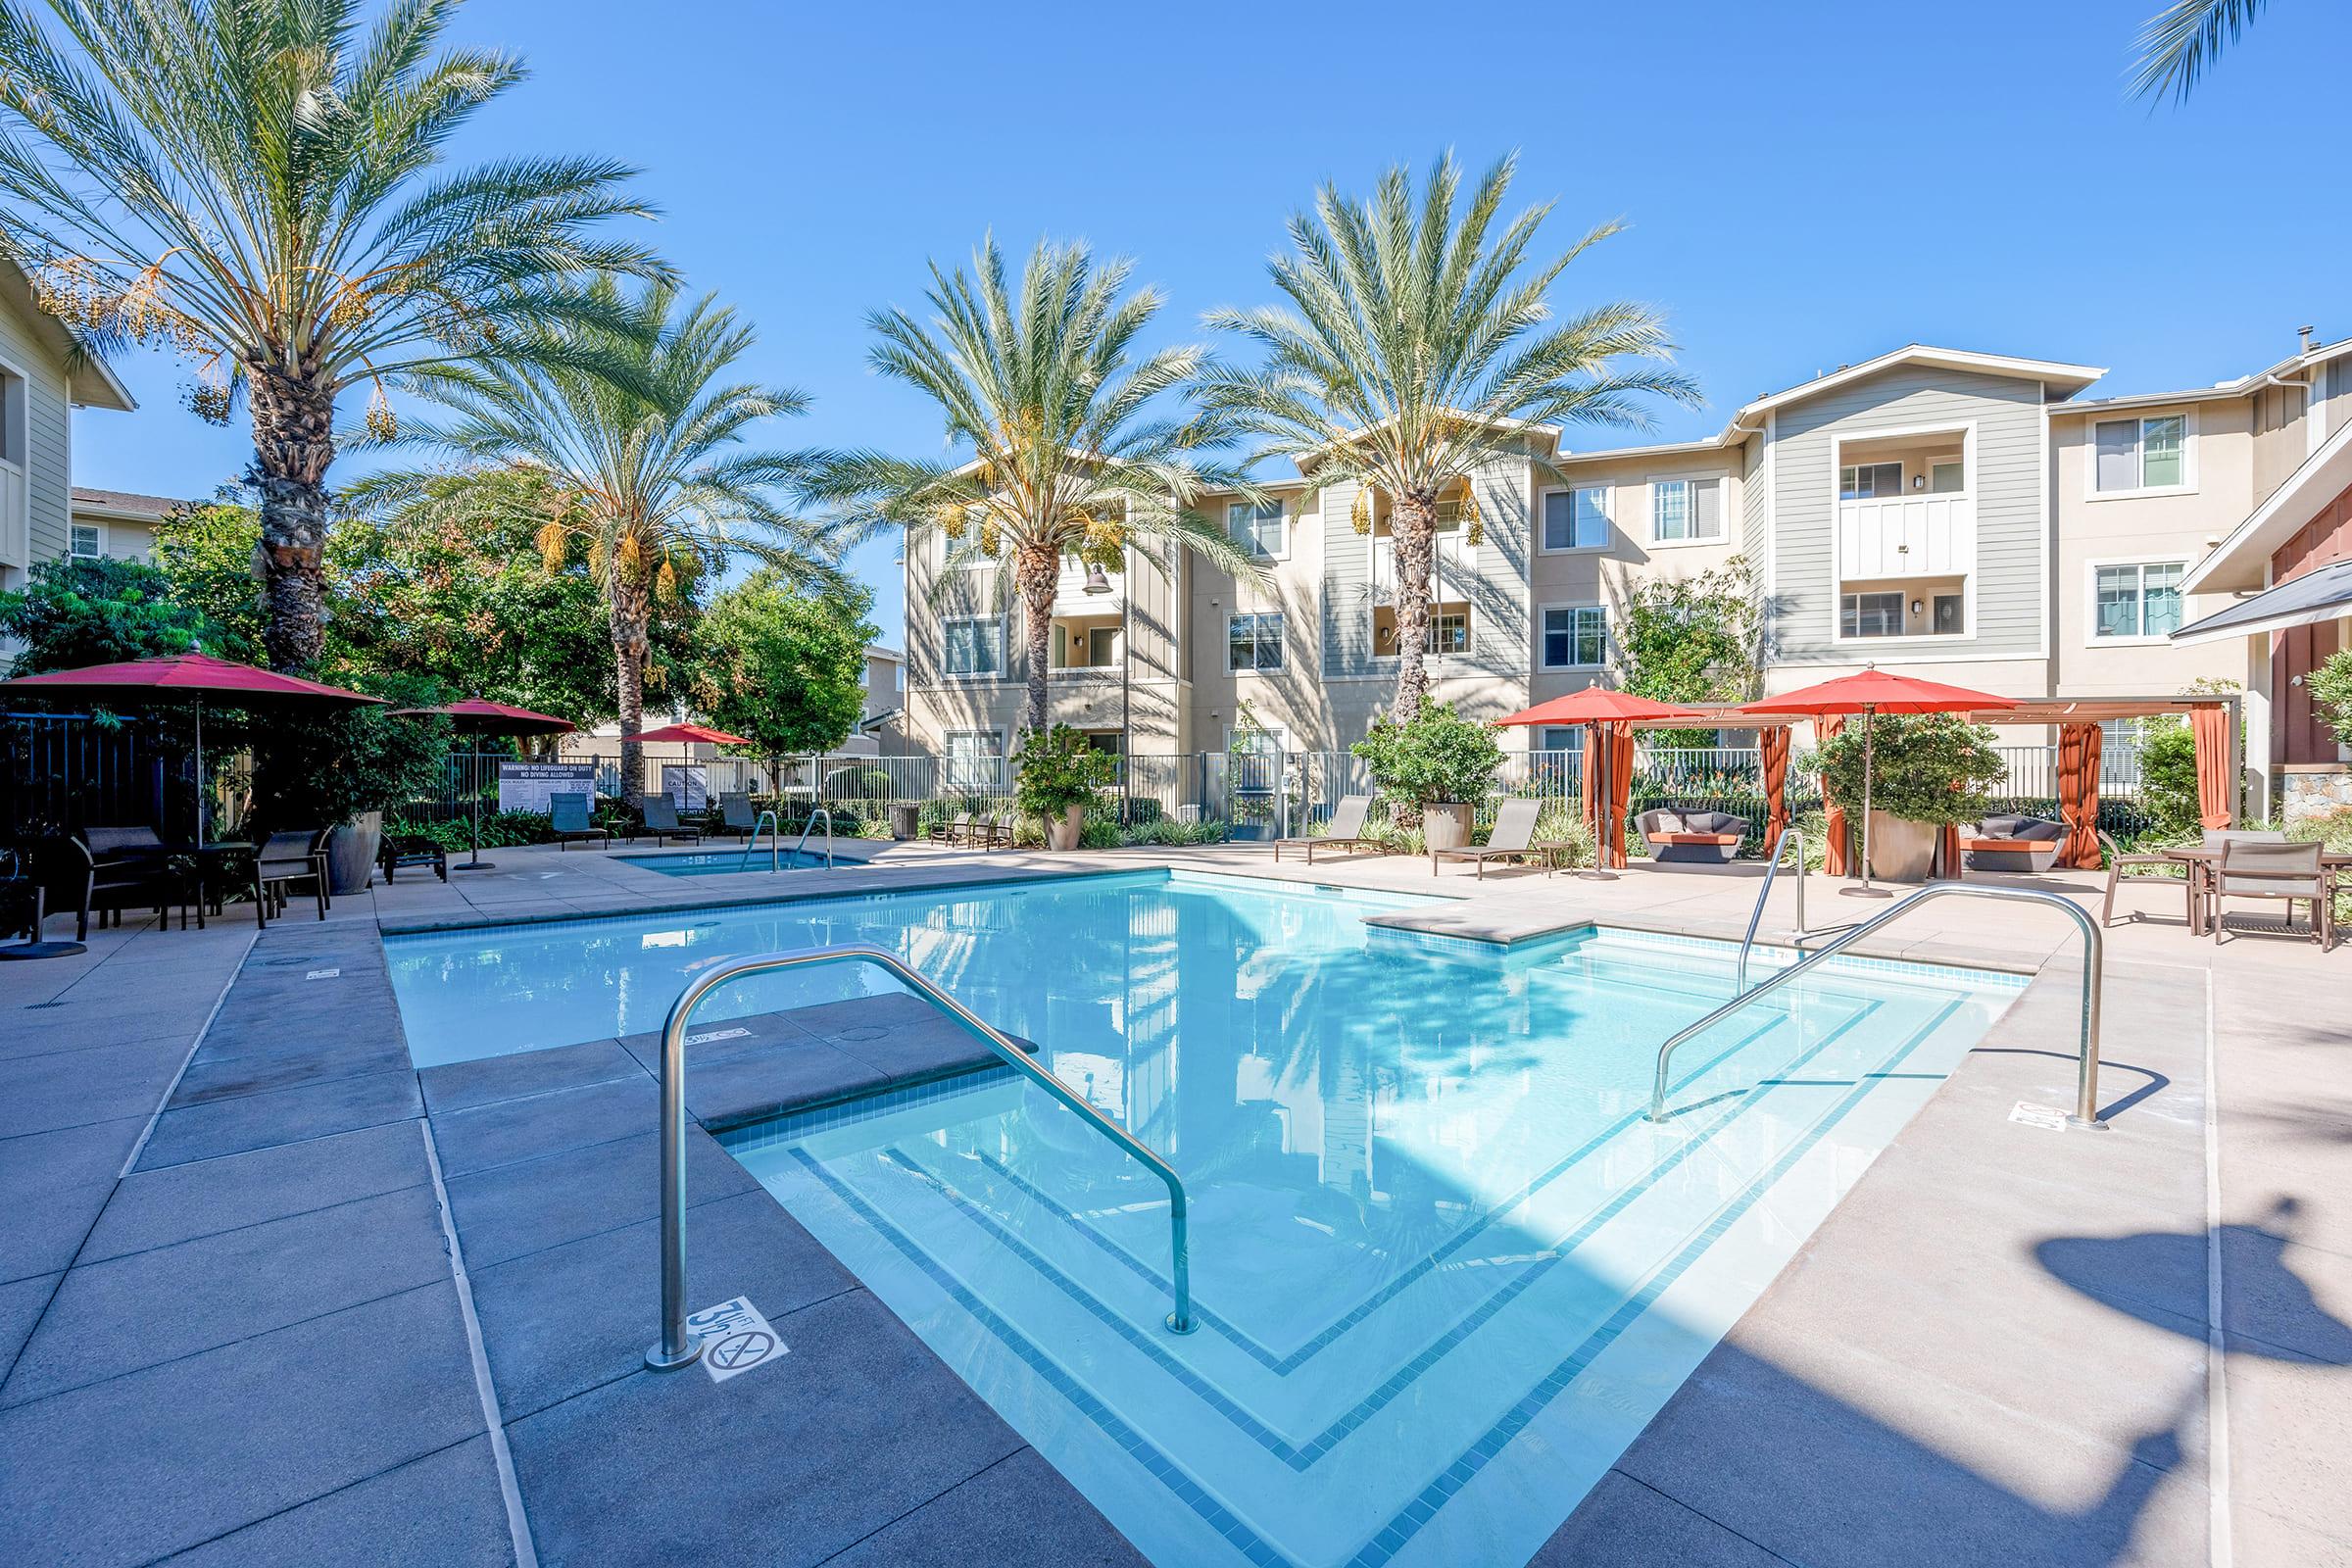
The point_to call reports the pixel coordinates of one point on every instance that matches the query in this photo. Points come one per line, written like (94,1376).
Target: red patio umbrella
(194,676)
(1875,691)
(478,717)
(689,733)
(1595,707)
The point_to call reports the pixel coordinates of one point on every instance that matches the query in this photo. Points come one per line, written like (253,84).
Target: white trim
(1769,471)
(2188,455)
(1543,667)
(974,676)
(1287,516)
(1966,429)
(2090,600)
(1608,519)
(1690,483)
(2290,490)
(1965,359)
(1279,614)
(96,526)
(20,527)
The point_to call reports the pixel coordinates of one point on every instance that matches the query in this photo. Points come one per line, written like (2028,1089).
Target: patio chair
(567,816)
(130,869)
(953,830)
(662,821)
(282,860)
(2255,869)
(411,849)
(736,817)
(2006,842)
(2121,868)
(992,833)
(1514,830)
(1346,830)
(65,871)
(1696,838)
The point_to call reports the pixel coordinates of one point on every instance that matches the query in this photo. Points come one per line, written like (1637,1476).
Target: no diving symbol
(735,1339)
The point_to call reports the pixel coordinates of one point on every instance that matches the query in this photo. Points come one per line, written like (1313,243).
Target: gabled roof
(2284,372)
(126,505)
(2305,601)
(95,385)
(2241,561)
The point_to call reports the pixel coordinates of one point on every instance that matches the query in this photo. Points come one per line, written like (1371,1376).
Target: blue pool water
(720,863)
(1443,1268)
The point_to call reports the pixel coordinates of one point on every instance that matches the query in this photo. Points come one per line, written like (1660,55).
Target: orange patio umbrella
(478,717)
(1595,707)
(1875,691)
(675,733)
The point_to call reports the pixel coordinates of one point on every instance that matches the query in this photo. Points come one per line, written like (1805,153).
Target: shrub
(1438,758)
(2330,688)
(2168,775)
(1923,767)
(1059,769)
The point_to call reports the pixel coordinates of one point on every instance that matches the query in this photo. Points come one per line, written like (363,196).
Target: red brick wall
(2298,734)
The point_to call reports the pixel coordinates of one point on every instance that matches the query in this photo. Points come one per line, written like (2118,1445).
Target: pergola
(2212,721)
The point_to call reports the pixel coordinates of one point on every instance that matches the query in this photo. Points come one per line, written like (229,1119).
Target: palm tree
(1414,348)
(256,186)
(1051,399)
(2180,44)
(631,416)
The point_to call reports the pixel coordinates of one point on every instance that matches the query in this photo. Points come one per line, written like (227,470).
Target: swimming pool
(720,863)
(1443,1268)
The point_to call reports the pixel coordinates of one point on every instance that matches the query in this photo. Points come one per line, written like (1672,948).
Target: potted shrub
(1057,774)
(344,770)
(1434,769)
(1928,771)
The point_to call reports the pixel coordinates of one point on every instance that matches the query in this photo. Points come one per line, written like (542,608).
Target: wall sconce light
(1919,481)
(1917,607)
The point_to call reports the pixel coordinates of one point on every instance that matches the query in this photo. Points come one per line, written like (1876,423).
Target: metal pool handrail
(811,828)
(775,837)
(2087,1080)
(674,1349)
(1772,866)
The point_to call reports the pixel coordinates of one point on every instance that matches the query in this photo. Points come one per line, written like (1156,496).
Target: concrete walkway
(303,1303)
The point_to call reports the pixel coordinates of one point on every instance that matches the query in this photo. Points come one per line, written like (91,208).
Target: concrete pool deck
(247,1331)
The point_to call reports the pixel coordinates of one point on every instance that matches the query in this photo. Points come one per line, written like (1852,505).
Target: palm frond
(2180,44)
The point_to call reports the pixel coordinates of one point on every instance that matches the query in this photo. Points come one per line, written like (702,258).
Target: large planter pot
(351,853)
(1445,825)
(1901,850)
(903,820)
(1064,832)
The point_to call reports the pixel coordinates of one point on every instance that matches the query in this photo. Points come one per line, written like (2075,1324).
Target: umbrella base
(42,949)
(1872,892)
(475,865)
(1598,876)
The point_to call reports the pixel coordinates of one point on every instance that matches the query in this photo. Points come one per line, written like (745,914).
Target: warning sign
(735,1339)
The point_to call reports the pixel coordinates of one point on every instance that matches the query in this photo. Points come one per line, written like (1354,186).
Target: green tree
(1434,757)
(784,666)
(640,436)
(1923,767)
(2331,687)
(73,611)
(1056,448)
(2180,43)
(207,548)
(1416,344)
(260,188)
(1690,640)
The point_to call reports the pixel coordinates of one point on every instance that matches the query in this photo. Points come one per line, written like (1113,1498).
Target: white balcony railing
(1906,536)
(1453,561)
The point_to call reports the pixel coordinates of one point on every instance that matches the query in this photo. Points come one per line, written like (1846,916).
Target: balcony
(1907,536)
(1087,646)
(1072,601)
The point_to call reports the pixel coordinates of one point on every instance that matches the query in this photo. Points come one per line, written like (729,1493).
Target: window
(1253,641)
(1947,478)
(1575,636)
(1561,738)
(13,434)
(1263,532)
(2137,600)
(1449,632)
(1951,615)
(1870,481)
(88,542)
(1256,740)
(1871,615)
(974,760)
(1576,520)
(1684,510)
(975,644)
(2150,454)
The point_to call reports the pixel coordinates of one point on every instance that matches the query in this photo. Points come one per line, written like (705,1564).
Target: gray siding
(1752,542)
(1347,588)
(1499,597)
(2009,586)
(47,461)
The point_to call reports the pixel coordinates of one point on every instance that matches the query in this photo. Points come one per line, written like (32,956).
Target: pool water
(1443,1268)
(721,863)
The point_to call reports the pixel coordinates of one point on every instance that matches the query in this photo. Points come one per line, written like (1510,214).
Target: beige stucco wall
(39,532)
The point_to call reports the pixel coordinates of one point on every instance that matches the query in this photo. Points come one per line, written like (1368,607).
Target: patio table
(2202,863)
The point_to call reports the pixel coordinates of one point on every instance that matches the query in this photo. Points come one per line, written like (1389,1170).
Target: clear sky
(1807,185)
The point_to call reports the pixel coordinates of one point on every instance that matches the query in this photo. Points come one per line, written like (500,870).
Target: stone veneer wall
(2311,791)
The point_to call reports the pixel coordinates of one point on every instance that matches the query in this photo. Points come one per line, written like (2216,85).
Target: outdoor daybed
(2009,842)
(1702,838)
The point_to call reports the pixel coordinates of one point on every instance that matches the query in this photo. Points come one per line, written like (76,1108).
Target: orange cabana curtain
(1834,850)
(1621,789)
(2079,747)
(1948,851)
(1774,742)
(2210,726)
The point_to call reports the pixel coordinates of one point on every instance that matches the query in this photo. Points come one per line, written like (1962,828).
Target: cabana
(2213,722)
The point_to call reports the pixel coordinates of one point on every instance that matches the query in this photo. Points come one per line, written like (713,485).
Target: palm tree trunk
(293,442)
(632,619)
(1037,574)
(1414,531)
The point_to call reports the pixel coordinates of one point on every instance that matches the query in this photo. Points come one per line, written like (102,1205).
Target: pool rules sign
(735,1339)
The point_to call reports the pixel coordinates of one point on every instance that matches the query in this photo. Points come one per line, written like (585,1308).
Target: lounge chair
(1514,831)
(662,821)
(282,860)
(2122,867)
(2253,869)
(2010,843)
(1346,830)
(1698,838)
(567,816)
(411,849)
(736,817)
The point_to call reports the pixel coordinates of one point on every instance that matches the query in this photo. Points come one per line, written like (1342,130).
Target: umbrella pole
(1597,756)
(1866,891)
(202,837)
(474,788)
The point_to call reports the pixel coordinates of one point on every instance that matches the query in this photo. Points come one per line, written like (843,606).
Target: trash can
(901,820)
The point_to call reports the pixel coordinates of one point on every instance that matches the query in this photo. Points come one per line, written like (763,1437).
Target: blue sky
(1805,187)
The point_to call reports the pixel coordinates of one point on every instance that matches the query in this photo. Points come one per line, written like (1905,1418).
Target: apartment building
(44,376)
(1966,517)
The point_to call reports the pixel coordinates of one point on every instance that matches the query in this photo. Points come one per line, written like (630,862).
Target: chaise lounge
(1512,838)
(1694,838)
(2009,842)
(567,816)
(1346,830)
(662,821)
